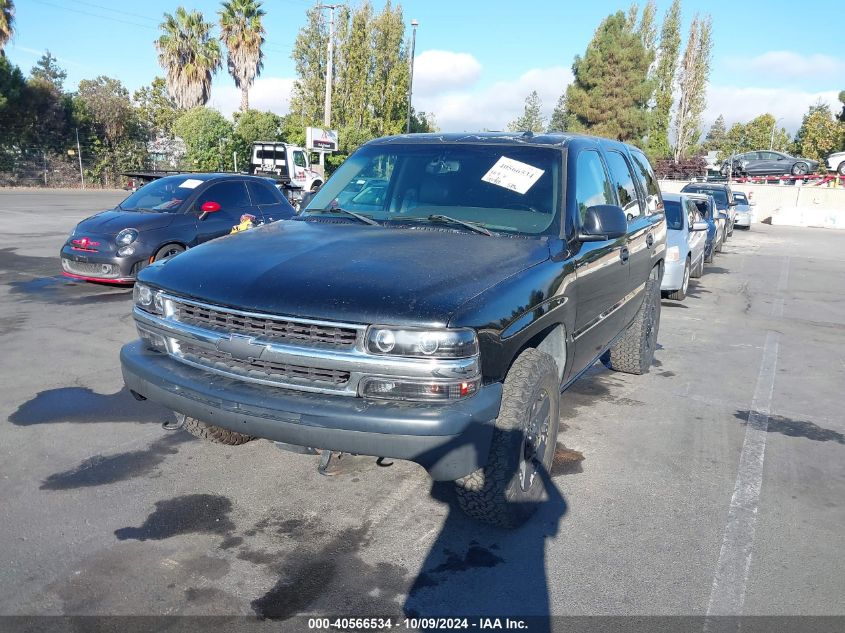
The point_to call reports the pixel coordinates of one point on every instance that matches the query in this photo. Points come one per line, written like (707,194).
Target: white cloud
(267,93)
(436,72)
(740,105)
(495,105)
(789,65)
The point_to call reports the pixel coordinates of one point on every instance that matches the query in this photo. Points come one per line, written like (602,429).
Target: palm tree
(7,16)
(242,33)
(189,56)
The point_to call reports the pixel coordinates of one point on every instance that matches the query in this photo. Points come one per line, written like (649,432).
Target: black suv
(436,320)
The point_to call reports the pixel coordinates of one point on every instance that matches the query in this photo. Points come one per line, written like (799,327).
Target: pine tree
(693,78)
(48,69)
(310,59)
(611,89)
(532,119)
(716,137)
(664,74)
(558,121)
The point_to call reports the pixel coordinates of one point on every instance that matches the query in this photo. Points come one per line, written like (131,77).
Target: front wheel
(681,293)
(510,488)
(800,169)
(841,169)
(168,250)
(634,352)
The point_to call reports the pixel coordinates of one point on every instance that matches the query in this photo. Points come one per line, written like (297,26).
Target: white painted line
(727,594)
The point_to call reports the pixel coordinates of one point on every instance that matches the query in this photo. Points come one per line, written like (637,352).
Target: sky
(476,61)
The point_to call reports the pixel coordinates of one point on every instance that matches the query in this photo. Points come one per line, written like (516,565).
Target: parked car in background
(768,163)
(744,211)
(836,162)
(723,196)
(707,209)
(164,218)
(685,242)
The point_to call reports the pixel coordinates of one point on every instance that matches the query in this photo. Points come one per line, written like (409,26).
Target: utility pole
(79,154)
(327,109)
(772,139)
(414,24)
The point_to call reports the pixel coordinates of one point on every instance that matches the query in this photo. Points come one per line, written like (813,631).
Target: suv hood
(112,222)
(347,272)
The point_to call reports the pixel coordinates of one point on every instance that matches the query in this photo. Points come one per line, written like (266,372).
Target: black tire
(708,259)
(216,434)
(681,293)
(720,243)
(508,490)
(841,169)
(634,352)
(168,250)
(800,169)
(315,186)
(698,271)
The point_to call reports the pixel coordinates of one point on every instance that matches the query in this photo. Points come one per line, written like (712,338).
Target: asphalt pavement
(714,484)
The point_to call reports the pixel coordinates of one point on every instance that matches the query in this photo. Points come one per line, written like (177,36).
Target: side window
(299,158)
(229,195)
(592,186)
(623,181)
(263,194)
(654,203)
(692,211)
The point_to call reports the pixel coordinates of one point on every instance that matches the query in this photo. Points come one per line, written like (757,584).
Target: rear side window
(592,186)
(673,215)
(229,195)
(623,181)
(654,203)
(263,194)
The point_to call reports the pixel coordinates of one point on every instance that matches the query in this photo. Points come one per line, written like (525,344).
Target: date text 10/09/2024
(375,624)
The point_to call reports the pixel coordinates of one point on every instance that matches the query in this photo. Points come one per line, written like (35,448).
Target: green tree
(820,133)
(842,101)
(611,89)
(716,137)
(422,122)
(664,74)
(350,102)
(242,33)
(388,87)
(189,56)
(309,55)
(757,134)
(252,126)
(7,23)
(693,78)
(532,118)
(209,138)
(12,88)
(47,68)
(156,108)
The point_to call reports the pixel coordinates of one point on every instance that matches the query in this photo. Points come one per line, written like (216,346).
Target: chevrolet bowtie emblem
(240,347)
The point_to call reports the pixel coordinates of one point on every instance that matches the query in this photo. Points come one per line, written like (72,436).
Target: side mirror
(209,207)
(722,215)
(699,226)
(603,222)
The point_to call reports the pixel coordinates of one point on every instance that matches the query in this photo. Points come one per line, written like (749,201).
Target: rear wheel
(800,169)
(168,250)
(841,169)
(212,433)
(509,489)
(708,258)
(634,352)
(681,293)
(698,270)
(720,242)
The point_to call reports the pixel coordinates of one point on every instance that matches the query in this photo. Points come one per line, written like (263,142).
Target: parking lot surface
(713,484)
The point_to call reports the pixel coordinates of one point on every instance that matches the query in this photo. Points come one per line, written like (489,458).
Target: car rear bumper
(449,440)
(673,276)
(743,219)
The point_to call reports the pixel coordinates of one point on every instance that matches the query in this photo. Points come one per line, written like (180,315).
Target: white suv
(836,162)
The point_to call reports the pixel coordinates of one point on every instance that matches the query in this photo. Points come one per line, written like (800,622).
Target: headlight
(457,343)
(126,237)
(673,254)
(148,299)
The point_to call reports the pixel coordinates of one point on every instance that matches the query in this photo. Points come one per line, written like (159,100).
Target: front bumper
(673,276)
(98,266)
(449,440)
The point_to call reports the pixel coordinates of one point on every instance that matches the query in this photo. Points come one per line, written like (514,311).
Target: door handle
(624,254)
(649,240)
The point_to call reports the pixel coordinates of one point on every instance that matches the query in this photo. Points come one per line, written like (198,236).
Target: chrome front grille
(261,369)
(264,327)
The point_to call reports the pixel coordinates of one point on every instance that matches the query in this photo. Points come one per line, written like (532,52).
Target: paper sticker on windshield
(191,183)
(513,175)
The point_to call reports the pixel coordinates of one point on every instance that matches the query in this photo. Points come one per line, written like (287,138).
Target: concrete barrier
(788,205)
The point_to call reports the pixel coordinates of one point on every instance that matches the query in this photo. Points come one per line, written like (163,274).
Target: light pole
(414,24)
(772,139)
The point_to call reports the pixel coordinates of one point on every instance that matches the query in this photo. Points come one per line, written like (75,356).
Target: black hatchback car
(166,217)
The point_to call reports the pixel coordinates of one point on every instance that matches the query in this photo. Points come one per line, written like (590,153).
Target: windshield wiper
(357,216)
(472,226)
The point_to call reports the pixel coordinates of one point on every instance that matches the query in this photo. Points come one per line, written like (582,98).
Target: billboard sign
(321,140)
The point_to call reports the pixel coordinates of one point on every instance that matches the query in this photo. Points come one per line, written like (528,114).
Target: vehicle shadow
(476,570)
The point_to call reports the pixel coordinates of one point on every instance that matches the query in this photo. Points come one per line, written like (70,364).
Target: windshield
(673,215)
(719,195)
(165,195)
(740,198)
(499,187)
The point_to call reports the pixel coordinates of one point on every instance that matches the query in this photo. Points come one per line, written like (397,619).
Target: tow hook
(330,463)
(175,426)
